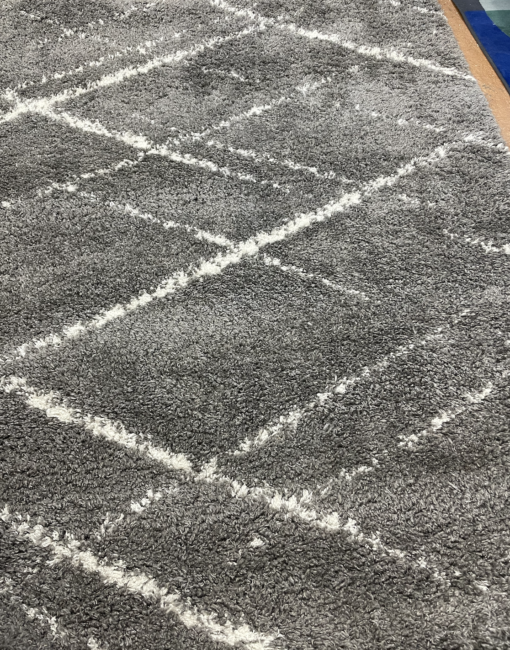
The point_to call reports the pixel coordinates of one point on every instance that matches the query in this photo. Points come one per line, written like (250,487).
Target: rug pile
(254,329)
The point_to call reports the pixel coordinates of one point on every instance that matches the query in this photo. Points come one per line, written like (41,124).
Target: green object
(495,5)
(501,19)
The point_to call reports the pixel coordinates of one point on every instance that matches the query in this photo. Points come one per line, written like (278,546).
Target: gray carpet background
(254,331)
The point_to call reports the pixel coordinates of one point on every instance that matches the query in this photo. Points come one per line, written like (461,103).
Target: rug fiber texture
(254,329)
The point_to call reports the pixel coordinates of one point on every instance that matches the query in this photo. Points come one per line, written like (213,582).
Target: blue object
(495,42)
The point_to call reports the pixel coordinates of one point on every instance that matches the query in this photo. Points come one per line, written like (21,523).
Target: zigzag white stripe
(248,248)
(139,583)
(369,51)
(488,247)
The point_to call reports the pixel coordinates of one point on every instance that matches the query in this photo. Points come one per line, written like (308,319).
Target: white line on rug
(409,442)
(248,248)
(48,77)
(300,508)
(301,273)
(446,416)
(45,103)
(287,424)
(364,50)
(139,583)
(151,148)
(41,615)
(488,247)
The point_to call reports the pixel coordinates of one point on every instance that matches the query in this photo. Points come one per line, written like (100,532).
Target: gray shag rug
(254,329)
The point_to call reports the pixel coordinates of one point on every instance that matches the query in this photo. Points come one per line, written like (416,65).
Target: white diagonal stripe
(487,246)
(378,461)
(248,248)
(183,137)
(41,615)
(295,270)
(219,240)
(41,104)
(141,48)
(400,121)
(139,583)
(446,416)
(72,185)
(287,424)
(257,110)
(198,233)
(374,52)
(421,10)
(262,157)
(254,111)
(54,407)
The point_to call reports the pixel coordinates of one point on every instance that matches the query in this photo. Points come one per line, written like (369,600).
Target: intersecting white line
(258,157)
(300,507)
(221,240)
(248,248)
(142,143)
(73,185)
(137,582)
(39,104)
(365,50)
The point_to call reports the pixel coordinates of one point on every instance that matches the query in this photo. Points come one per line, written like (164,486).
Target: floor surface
(496,93)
